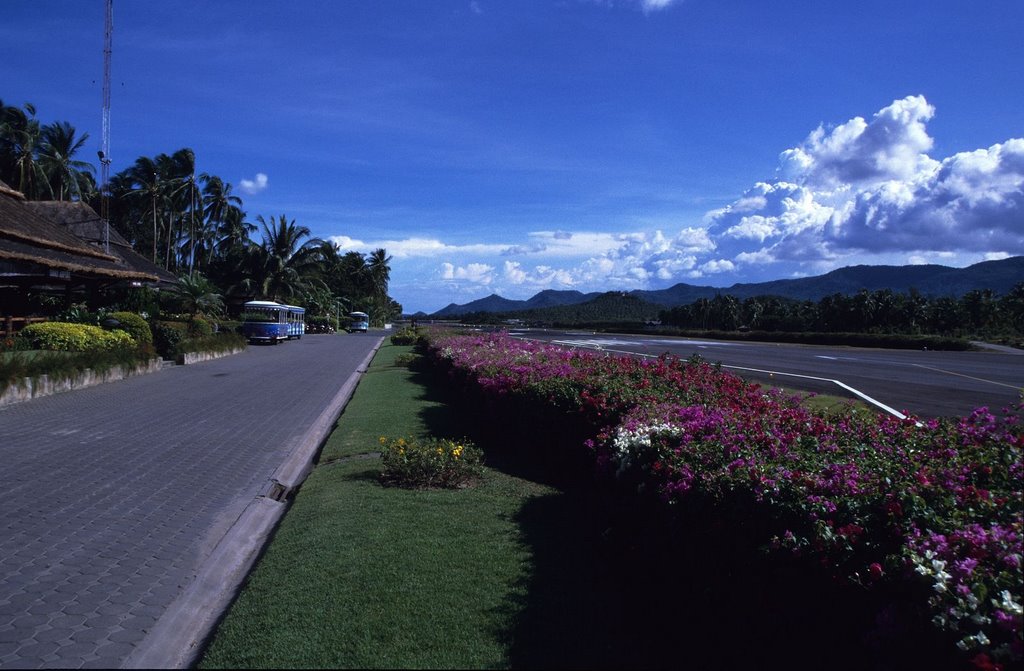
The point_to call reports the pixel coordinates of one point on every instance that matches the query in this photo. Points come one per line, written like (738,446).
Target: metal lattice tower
(108,38)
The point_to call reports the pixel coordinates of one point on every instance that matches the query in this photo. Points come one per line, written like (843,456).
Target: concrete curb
(198,357)
(29,388)
(178,636)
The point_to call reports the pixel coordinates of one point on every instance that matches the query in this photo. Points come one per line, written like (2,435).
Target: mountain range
(930,280)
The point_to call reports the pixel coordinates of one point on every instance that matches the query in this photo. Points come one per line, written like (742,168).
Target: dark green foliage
(135,326)
(167,335)
(199,327)
(977,313)
(220,342)
(16,366)
(407,336)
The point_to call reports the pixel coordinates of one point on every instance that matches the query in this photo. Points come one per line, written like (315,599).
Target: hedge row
(923,516)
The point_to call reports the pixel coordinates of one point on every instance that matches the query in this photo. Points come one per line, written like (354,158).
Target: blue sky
(518,145)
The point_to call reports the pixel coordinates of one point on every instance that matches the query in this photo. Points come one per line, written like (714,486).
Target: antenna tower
(108,37)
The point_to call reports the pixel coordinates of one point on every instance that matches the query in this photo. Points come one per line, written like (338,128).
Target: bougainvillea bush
(931,509)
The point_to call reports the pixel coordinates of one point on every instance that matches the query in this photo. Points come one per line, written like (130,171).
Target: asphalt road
(920,383)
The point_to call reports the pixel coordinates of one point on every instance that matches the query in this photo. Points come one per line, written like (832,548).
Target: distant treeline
(980,313)
(976,313)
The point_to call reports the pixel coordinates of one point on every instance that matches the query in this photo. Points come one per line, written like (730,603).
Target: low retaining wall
(196,357)
(30,388)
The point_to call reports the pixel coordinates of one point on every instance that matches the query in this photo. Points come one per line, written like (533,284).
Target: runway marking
(830,358)
(596,344)
(969,377)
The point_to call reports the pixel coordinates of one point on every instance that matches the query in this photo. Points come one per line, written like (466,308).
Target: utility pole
(104,153)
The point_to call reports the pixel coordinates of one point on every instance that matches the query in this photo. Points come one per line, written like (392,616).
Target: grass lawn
(362,576)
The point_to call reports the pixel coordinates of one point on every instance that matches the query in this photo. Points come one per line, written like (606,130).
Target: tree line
(192,224)
(978,312)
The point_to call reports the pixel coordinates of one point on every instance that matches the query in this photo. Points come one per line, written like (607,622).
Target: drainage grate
(277,491)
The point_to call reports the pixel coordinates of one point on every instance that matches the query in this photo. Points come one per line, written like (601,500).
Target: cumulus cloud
(474,273)
(869,187)
(866,190)
(541,277)
(253,186)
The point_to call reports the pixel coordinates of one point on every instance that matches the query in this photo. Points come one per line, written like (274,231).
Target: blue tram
(272,322)
(359,321)
(296,321)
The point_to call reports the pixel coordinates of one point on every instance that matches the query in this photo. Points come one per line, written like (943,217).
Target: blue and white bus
(359,321)
(296,321)
(265,321)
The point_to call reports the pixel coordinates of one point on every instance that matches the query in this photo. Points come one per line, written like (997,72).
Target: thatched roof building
(37,253)
(82,221)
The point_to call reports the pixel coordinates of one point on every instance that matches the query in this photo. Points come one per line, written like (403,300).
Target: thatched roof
(82,221)
(30,240)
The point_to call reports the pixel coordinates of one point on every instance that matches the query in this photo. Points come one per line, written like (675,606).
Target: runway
(901,382)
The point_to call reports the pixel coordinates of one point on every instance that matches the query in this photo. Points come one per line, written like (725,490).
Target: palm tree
(198,295)
(219,208)
(144,177)
(284,264)
(64,174)
(19,136)
(179,171)
(380,272)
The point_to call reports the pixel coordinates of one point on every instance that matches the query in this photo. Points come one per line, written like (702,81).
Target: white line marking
(857,392)
(969,377)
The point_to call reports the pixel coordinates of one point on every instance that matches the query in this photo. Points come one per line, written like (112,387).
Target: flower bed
(932,509)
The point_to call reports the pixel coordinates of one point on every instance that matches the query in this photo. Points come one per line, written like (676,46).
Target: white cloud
(473,273)
(253,186)
(541,277)
(415,247)
(863,191)
(646,6)
(869,188)
(654,5)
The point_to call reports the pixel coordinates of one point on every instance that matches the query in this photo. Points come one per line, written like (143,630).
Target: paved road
(115,496)
(924,383)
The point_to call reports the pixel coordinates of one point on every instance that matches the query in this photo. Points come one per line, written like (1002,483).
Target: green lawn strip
(360,576)
(388,402)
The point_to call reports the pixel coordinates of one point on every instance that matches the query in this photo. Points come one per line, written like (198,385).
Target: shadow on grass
(617,582)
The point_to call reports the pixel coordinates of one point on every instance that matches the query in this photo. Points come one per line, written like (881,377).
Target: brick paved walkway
(114,495)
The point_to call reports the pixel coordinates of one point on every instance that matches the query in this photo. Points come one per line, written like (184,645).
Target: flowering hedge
(932,508)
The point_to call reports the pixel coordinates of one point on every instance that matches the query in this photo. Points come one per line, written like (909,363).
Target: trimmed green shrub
(135,326)
(219,342)
(199,327)
(65,337)
(407,336)
(229,326)
(167,335)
